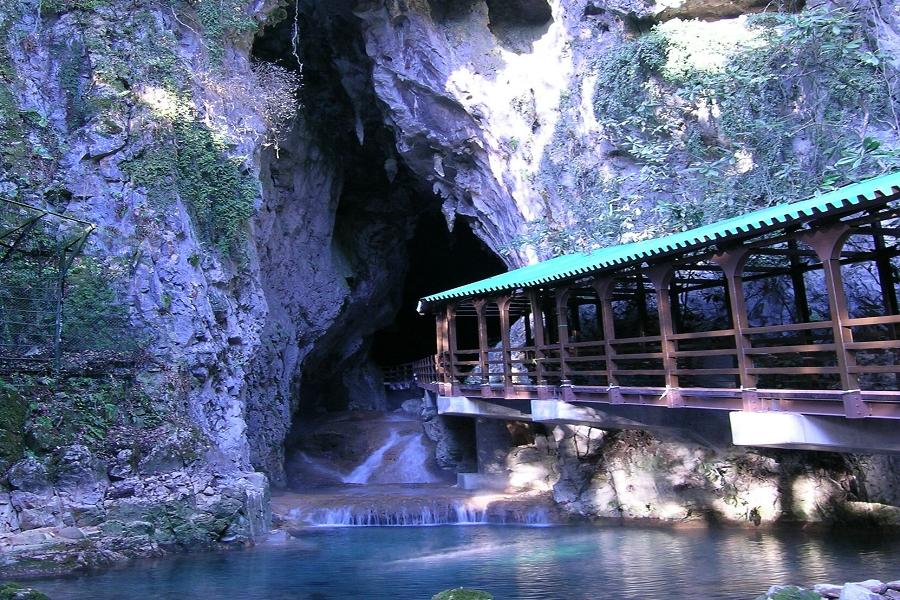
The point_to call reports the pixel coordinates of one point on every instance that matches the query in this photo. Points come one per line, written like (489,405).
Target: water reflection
(514,563)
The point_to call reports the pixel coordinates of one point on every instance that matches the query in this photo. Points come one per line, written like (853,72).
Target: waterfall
(410,465)
(328,473)
(460,512)
(363,472)
(363,448)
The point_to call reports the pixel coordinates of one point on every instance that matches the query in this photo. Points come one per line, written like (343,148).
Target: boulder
(854,591)
(71,533)
(29,475)
(412,406)
(828,590)
(873,585)
(80,477)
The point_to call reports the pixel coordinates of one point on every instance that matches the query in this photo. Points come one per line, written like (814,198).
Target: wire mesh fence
(58,308)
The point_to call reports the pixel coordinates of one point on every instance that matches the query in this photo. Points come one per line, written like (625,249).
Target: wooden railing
(846,364)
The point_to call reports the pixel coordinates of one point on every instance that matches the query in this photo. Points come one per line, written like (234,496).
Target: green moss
(132,50)
(72,67)
(14,148)
(55,7)
(792,592)
(219,19)
(14,591)
(194,163)
(13,412)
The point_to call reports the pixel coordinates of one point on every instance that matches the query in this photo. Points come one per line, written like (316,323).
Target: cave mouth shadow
(439,259)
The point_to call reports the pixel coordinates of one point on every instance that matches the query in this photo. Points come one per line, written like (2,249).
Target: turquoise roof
(870,191)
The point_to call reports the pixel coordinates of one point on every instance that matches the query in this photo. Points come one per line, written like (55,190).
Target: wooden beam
(562,323)
(732,264)
(661,277)
(828,242)
(483,347)
(503,306)
(604,287)
(537,313)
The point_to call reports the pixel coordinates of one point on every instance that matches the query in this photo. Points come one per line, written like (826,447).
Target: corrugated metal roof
(870,191)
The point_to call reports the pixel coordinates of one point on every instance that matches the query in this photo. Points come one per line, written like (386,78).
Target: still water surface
(514,563)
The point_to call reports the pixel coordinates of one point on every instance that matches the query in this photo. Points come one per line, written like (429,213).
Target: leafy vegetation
(83,410)
(715,123)
(190,160)
(793,592)
(14,591)
(13,411)
(94,317)
(219,19)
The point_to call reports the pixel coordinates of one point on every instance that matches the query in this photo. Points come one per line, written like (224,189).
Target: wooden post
(503,303)
(828,243)
(661,278)
(885,276)
(888,293)
(604,288)
(453,348)
(537,313)
(641,296)
(439,345)
(562,321)
(443,352)
(801,303)
(732,263)
(483,348)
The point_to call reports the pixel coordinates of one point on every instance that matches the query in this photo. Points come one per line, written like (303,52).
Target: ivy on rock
(717,119)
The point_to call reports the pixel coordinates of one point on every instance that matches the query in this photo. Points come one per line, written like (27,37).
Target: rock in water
(873,585)
(854,591)
(828,590)
(462,594)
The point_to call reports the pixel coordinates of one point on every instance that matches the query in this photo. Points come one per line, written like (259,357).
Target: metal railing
(58,310)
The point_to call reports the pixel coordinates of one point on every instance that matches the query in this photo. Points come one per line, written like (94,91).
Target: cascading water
(376,469)
(363,472)
(363,512)
(383,449)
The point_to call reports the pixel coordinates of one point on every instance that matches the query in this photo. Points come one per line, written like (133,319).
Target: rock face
(636,475)
(89,512)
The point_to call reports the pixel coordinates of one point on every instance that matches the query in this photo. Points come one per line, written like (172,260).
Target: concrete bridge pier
(712,428)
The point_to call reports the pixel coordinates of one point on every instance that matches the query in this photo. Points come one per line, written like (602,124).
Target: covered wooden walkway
(791,308)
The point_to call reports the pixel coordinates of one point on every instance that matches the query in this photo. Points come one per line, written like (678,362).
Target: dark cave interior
(388,223)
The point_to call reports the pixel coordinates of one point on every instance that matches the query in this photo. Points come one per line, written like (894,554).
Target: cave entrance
(439,259)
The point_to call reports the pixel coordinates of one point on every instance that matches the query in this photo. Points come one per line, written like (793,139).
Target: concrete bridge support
(713,428)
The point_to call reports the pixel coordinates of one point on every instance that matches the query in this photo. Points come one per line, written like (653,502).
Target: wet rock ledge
(870,589)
